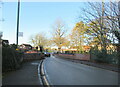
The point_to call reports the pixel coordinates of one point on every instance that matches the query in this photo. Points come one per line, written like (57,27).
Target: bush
(98,56)
(103,56)
(11,59)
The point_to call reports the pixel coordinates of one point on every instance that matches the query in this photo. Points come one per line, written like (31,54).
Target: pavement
(26,75)
(63,72)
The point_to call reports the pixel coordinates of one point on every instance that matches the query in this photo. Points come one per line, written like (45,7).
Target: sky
(37,17)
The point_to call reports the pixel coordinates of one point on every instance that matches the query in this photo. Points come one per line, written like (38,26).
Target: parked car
(47,54)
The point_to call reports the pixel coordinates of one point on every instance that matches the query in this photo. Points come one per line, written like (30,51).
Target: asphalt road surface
(63,72)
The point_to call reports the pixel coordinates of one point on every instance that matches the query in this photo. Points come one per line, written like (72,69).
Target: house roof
(86,47)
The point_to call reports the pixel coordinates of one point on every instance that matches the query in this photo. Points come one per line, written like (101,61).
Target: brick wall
(33,56)
(75,56)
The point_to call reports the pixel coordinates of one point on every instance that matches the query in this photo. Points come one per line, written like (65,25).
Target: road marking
(47,74)
(44,78)
(39,76)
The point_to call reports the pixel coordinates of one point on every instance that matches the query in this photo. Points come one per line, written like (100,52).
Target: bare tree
(101,22)
(39,40)
(112,18)
(59,31)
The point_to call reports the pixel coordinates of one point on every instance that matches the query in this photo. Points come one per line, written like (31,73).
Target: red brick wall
(67,56)
(76,56)
(82,56)
(33,56)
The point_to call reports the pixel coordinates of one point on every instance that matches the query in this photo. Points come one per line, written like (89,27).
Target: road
(62,72)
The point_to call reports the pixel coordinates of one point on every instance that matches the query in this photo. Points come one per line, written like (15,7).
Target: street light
(119,14)
(18,13)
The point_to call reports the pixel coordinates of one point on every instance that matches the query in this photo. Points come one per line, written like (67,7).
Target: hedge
(11,59)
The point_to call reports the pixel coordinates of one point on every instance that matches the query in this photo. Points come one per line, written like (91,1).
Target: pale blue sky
(37,17)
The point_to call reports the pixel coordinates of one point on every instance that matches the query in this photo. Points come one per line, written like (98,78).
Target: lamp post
(18,13)
(119,13)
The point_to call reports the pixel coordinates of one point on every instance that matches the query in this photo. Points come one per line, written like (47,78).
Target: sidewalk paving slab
(26,75)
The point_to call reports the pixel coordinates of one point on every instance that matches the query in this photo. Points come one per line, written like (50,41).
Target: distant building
(25,47)
(84,47)
(74,49)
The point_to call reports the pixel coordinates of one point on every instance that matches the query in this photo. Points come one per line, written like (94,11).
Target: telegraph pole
(18,16)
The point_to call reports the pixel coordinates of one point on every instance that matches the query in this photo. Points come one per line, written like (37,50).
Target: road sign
(20,34)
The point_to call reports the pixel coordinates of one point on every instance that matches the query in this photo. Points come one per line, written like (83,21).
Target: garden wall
(82,56)
(75,56)
(33,56)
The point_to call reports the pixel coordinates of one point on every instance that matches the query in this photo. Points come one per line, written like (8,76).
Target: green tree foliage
(78,36)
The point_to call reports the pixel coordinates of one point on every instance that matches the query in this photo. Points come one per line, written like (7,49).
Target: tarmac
(99,65)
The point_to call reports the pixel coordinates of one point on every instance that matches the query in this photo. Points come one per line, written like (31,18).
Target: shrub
(11,59)
(103,56)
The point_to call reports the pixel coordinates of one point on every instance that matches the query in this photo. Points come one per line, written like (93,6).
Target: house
(25,47)
(74,49)
(84,47)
